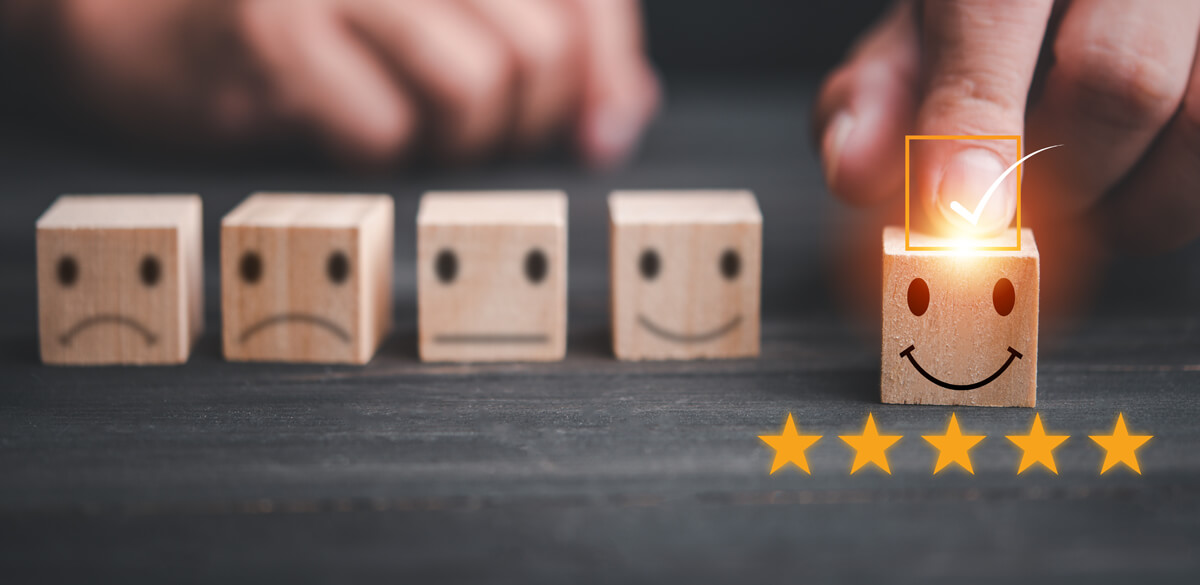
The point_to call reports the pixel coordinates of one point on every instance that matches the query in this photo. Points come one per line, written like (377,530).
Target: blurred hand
(370,79)
(1118,83)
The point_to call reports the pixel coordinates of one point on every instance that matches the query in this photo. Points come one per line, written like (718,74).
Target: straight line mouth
(87,323)
(654,328)
(491,338)
(1012,354)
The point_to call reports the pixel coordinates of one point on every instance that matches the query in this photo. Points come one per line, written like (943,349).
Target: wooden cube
(685,274)
(492,276)
(120,279)
(307,277)
(960,327)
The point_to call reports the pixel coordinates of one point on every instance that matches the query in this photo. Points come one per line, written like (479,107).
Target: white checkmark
(973,216)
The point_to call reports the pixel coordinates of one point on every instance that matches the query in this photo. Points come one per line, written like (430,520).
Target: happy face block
(120,279)
(960,327)
(307,277)
(492,276)
(685,272)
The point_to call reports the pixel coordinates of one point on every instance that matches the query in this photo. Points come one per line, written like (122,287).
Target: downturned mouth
(702,337)
(1013,354)
(321,322)
(79,327)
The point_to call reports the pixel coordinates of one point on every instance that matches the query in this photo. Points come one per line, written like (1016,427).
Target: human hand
(371,80)
(1118,83)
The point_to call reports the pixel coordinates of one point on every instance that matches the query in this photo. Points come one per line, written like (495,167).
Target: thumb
(979,58)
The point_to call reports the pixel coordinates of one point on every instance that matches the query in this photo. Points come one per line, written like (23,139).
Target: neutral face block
(307,277)
(685,273)
(120,279)
(492,276)
(960,327)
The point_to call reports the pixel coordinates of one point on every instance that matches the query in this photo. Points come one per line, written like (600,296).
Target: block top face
(683,207)
(893,243)
(305,210)
(493,208)
(120,212)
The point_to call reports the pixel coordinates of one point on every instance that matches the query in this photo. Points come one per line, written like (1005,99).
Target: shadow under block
(492,276)
(685,272)
(307,277)
(967,333)
(120,279)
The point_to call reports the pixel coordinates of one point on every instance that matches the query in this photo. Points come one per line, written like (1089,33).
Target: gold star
(789,446)
(870,446)
(1037,446)
(953,446)
(1119,447)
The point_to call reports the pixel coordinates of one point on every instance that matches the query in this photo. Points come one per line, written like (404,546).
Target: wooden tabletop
(589,469)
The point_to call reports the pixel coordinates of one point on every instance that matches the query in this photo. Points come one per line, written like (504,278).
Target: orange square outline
(908,138)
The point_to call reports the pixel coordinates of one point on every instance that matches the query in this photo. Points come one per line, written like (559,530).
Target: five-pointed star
(870,446)
(953,446)
(1037,446)
(789,446)
(1119,447)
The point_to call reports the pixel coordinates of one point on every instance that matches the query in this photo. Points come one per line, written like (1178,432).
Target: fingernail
(613,134)
(966,179)
(835,138)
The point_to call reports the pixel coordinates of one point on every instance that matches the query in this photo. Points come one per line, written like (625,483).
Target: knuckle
(1123,85)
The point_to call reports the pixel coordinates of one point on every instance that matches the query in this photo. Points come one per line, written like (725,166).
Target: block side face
(493,208)
(191,254)
(961,339)
(376,248)
(488,308)
(110,296)
(687,207)
(287,306)
(684,304)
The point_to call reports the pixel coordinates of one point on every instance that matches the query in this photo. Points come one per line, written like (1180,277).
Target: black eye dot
(251,267)
(68,271)
(446,266)
(731,264)
(536,266)
(150,270)
(1004,296)
(918,297)
(649,264)
(338,267)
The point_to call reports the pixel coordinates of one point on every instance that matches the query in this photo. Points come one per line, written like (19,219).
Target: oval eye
(536,266)
(338,267)
(731,264)
(1004,296)
(150,270)
(918,297)
(250,267)
(649,264)
(446,266)
(68,271)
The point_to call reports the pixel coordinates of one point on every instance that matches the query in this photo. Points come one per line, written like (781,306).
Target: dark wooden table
(589,469)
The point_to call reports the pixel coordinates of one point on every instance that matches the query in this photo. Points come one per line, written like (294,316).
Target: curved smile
(702,337)
(295,317)
(145,332)
(1013,354)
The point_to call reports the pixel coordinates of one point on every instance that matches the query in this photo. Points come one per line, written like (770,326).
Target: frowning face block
(306,277)
(959,326)
(685,273)
(492,276)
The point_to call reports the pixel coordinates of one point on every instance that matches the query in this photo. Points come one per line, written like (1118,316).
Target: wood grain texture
(120,279)
(685,272)
(966,333)
(307,277)
(492,276)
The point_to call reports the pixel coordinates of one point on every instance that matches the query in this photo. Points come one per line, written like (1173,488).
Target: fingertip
(966,197)
(613,123)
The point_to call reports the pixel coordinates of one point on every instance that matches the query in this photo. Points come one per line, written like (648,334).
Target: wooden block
(120,279)
(960,327)
(685,274)
(307,277)
(492,276)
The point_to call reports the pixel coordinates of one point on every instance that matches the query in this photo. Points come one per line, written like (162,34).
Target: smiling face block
(959,327)
(685,272)
(120,279)
(307,277)
(492,276)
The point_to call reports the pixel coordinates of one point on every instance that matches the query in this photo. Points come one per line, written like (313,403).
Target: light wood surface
(685,273)
(307,277)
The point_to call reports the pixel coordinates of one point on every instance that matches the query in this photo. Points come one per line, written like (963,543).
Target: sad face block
(685,271)
(960,327)
(307,277)
(492,276)
(120,279)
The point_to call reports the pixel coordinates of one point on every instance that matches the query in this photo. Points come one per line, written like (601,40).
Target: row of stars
(1037,448)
